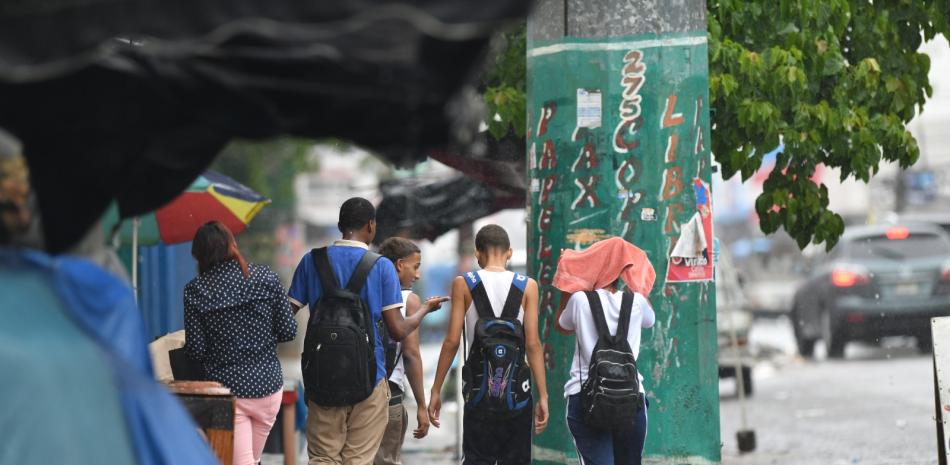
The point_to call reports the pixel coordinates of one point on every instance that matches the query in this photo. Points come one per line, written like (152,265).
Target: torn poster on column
(690,258)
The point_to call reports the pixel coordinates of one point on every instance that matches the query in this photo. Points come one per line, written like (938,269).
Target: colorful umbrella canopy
(213,196)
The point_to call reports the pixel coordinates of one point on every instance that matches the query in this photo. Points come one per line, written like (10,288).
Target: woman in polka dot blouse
(235,314)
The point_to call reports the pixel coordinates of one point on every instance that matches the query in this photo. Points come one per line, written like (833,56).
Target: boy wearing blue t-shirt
(352,434)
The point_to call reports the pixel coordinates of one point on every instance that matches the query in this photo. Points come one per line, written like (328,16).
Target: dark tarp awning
(136,119)
(492,181)
(431,209)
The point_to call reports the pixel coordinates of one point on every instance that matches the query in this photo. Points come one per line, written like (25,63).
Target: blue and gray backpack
(497,383)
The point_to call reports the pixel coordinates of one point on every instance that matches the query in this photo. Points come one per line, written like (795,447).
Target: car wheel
(806,345)
(831,335)
(747,380)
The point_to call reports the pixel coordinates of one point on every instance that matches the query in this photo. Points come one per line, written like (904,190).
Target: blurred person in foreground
(235,314)
(73,348)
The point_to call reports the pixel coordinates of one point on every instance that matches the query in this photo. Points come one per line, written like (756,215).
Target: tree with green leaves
(835,81)
(503,85)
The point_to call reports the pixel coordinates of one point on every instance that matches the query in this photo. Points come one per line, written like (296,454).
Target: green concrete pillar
(618,145)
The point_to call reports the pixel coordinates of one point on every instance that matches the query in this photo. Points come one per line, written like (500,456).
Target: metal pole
(135,258)
(938,416)
(938,413)
(740,376)
(900,191)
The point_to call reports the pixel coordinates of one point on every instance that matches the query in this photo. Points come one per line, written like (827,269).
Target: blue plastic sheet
(159,430)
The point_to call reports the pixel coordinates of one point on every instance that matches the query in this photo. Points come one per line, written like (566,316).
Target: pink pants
(253,419)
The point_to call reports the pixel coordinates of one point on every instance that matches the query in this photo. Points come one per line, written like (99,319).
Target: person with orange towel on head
(606,402)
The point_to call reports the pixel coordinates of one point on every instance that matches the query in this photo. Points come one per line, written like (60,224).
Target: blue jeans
(598,447)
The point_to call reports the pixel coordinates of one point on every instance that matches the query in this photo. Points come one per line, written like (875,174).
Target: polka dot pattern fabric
(233,324)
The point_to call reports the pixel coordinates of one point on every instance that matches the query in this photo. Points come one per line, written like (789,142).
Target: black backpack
(339,360)
(496,378)
(611,397)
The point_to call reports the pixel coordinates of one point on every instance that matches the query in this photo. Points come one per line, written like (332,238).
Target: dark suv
(878,281)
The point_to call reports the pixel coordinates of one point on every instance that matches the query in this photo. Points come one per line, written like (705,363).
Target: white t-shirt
(577,318)
(399,372)
(497,284)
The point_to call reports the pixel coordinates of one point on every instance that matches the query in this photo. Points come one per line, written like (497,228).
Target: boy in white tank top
(514,300)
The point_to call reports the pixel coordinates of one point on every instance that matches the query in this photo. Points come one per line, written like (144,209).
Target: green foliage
(269,168)
(834,80)
(504,86)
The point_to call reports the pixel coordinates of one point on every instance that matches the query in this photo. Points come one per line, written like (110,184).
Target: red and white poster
(691,254)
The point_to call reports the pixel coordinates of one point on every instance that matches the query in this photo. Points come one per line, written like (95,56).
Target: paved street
(874,407)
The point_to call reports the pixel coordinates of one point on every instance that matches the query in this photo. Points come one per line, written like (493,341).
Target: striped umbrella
(213,196)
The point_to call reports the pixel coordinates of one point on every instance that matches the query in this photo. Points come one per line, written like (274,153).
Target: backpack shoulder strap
(623,323)
(321,262)
(479,296)
(597,311)
(365,265)
(515,296)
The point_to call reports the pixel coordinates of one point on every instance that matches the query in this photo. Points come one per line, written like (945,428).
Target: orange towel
(601,264)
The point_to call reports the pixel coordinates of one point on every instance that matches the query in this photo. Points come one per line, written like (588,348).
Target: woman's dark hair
(492,237)
(355,213)
(396,248)
(214,243)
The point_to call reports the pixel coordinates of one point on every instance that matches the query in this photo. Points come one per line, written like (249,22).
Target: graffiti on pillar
(633,77)
(547,113)
(546,165)
(670,117)
(672,185)
(544,219)
(630,171)
(587,159)
(627,179)
(587,195)
(625,141)
(699,145)
(547,186)
(548,157)
(545,250)
(671,144)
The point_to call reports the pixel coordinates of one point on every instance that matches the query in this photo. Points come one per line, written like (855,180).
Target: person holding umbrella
(235,314)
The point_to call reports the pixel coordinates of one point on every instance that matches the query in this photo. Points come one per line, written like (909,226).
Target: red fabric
(179,220)
(601,264)
(290,397)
